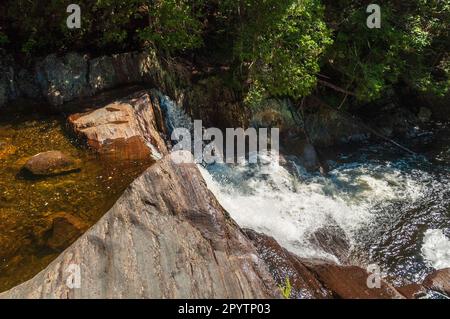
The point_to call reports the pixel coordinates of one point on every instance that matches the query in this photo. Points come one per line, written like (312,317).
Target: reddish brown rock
(333,240)
(282,264)
(350,282)
(51,163)
(412,291)
(166,237)
(439,281)
(66,228)
(129,128)
(317,278)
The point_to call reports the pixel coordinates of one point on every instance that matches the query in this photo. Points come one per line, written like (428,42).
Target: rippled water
(26,204)
(388,207)
(393,209)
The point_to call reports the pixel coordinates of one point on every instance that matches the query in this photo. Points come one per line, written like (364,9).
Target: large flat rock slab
(166,237)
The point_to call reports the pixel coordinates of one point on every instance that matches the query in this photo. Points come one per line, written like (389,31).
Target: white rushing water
(436,249)
(289,204)
(381,205)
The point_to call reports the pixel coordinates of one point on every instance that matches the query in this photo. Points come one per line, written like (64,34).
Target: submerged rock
(128,128)
(333,240)
(51,163)
(58,230)
(64,230)
(166,237)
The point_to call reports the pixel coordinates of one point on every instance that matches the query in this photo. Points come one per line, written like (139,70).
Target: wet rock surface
(333,240)
(166,237)
(413,291)
(128,128)
(439,281)
(108,72)
(317,278)
(284,265)
(64,78)
(51,163)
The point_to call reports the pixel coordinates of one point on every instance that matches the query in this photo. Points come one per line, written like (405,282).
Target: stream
(386,207)
(392,209)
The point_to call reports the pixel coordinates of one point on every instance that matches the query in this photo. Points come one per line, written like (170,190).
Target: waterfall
(381,203)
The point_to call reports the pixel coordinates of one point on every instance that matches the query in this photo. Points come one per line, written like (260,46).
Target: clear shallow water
(26,204)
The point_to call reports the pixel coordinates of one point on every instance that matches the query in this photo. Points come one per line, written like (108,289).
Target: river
(378,205)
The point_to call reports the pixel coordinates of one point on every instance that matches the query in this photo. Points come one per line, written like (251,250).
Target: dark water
(27,204)
(388,203)
(396,236)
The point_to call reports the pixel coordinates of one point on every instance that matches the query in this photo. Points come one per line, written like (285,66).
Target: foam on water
(436,249)
(379,199)
(289,204)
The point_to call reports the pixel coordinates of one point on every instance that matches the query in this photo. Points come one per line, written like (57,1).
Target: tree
(411,47)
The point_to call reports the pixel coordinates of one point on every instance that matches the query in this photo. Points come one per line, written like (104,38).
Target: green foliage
(280,44)
(173,26)
(287,289)
(115,25)
(411,47)
(272,47)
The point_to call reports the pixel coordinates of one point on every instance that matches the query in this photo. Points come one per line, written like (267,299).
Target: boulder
(64,78)
(350,282)
(284,265)
(27,85)
(273,113)
(317,278)
(127,128)
(326,126)
(412,291)
(64,230)
(166,237)
(107,72)
(439,281)
(333,240)
(399,122)
(218,105)
(51,163)
(304,152)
